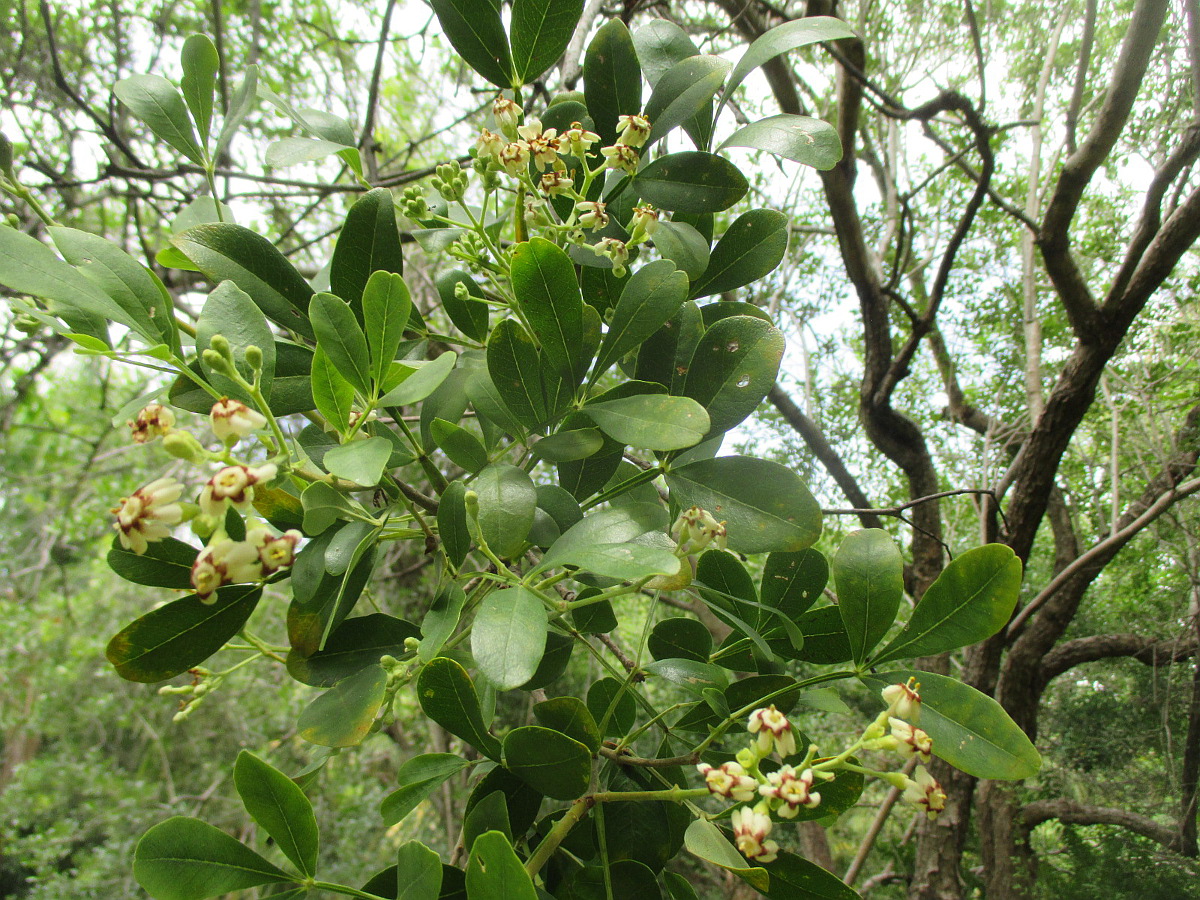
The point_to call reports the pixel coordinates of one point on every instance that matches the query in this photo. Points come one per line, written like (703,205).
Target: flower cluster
(696,530)
(904,737)
(750,830)
(226,561)
(148,513)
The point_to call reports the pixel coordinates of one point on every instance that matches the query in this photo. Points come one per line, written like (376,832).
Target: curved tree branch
(1148,651)
(1073,813)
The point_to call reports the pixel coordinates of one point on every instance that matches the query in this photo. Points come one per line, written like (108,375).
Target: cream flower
(923,791)
(488,145)
(592,214)
(579,139)
(507,115)
(750,830)
(632,130)
(903,700)
(621,157)
(275,552)
(234,485)
(557,183)
(728,780)
(910,740)
(148,513)
(515,157)
(645,219)
(225,561)
(793,790)
(154,420)
(233,419)
(773,730)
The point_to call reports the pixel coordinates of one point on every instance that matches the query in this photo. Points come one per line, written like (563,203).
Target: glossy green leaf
(612,706)
(792,582)
(691,182)
(733,368)
(540,32)
(447,696)
(972,599)
(332,394)
(230,312)
(665,356)
(353,646)
(544,283)
(418,778)
(615,525)
(623,561)
(199,82)
(343,548)
(369,242)
(421,383)
(694,677)
(651,297)
(785,37)
(344,714)
(623,877)
(570,716)
(508,637)
(515,368)
(802,139)
(470,314)
(134,288)
(750,249)
(684,246)
(612,82)
(680,638)
(549,761)
(570,444)
(476,32)
(156,102)
(341,338)
(522,801)
(868,573)
(230,252)
(181,634)
(765,505)
(704,840)
(422,868)
(679,887)
(507,499)
(494,872)
(386,308)
(460,446)
(452,523)
(280,808)
(488,813)
(651,421)
(322,601)
(970,730)
(292,151)
(795,878)
(661,44)
(684,90)
(186,859)
(441,619)
(240,105)
(362,461)
(166,564)
(724,582)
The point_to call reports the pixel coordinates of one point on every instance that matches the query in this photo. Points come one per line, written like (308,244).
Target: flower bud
(507,115)
(254,358)
(220,343)
(903,700)
(6,155)
(218,363)
(181,445)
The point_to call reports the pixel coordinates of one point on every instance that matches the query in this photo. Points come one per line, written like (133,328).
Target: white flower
(488,145)
(621,157)
(225,561)
(233,485)
(592,214)
(275,552)
(632,130)
(750,830)
(154,420)
(579,139)
(557,183)
(903,700)
(773,730)
(515,157)
(617,251)
(148,513)
(793,790)
(645,220)
(233,419)
(925,792)
(507,115)
(910,740)
(728,780)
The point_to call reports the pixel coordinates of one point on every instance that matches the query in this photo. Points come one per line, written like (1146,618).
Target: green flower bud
(461,293)
(215,361)
(254,358)
(471,502)
(6,155)
(181,445)
(27,323)
(220,343)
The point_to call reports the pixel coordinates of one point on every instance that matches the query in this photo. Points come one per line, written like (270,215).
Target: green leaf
(133,287)
(684,246)
(680,638)
(452,523)
(795,878)
(230,312)
(469,315)
(785,37)
(516,370)
(733,368)
(347,546)
(494,872)
(683,90)
(665,357)
(651,297)
(750,248)
(166,564)
(614,525)
(460,446)
(418,778)
(972,599)
(540,32)
(522,801)
(447,696)
(623,561)
(292,151)
(544,283)
(240,105)
(970,730)
(704,840)
(694,677)
(280,808)
(570,716)
(322,601)
(441,619)
(792,582)
(508,637)
(476,32)
(421,383)
(624,878)
(230,252)
(679,887)
(725,583)
(661,44)
(186,859)
(199,82)
(344,714)
(570,444)
(179,635)
(651,421)
(362,461)
(612,706)
(868,572)
(691,182)
(386,308)
(802,139)
(549,761)
(369,242)
(422,872)
(765,505)
(332,394)
(156,102)
(353,646)
(507,499)
(612,82)
(342,339)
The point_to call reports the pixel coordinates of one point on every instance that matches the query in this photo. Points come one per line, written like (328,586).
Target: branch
(1148,651)
(366,141)
(1073,813)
